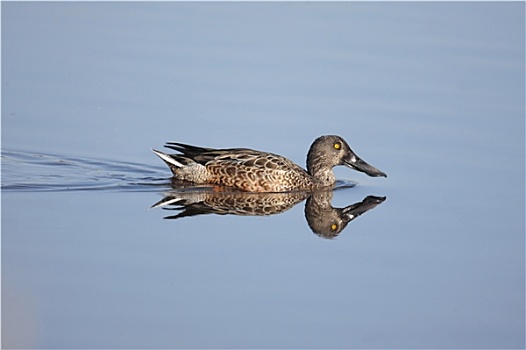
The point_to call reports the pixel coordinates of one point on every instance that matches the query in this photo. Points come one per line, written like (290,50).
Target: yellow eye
(334,227)
(337,145)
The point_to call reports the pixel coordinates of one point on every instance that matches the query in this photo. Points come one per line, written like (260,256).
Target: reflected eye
(334,227)
(337,145)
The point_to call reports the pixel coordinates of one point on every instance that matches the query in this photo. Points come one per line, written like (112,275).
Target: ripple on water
(26,171)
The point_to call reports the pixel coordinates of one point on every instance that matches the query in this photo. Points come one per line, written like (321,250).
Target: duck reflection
(327,221)
(322,218)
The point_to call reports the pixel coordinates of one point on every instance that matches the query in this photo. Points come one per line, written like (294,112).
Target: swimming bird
(255,171)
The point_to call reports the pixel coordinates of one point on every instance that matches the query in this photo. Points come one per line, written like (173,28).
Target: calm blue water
(430,93)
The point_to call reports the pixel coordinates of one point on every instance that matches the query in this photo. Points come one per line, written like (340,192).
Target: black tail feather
(187,150)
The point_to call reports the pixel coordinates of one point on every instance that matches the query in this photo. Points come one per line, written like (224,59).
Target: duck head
(329,151)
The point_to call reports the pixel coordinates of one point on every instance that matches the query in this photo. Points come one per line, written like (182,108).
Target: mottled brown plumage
(256,171)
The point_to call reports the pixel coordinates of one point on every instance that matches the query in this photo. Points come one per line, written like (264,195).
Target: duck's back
(255,171)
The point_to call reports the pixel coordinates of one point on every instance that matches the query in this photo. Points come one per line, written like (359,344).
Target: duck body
(255,171)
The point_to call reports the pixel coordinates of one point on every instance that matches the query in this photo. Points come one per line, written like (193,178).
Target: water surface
(430,93)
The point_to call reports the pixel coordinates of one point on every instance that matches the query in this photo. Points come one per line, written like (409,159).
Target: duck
(250,170)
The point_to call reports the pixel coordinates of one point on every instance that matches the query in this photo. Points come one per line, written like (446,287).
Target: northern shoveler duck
(256,171)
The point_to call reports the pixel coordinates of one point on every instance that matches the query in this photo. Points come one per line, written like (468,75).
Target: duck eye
(337,145)
(334,227)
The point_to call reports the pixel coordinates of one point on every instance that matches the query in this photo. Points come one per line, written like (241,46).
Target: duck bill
(358,164)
